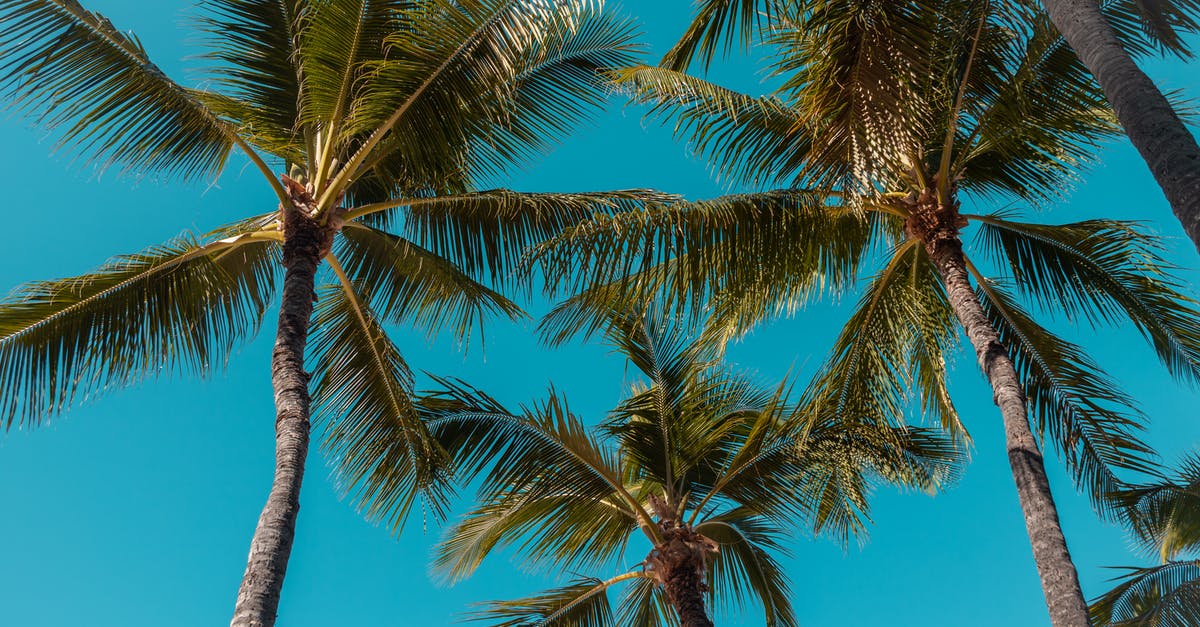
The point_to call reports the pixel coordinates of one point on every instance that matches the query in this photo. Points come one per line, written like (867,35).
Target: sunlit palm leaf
(97,89)
(183,305)
(1165,515)
(745,563)
(582,603)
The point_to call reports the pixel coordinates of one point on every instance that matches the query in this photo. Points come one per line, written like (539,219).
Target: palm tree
(1165,518)
(378,111)
(710,468)
(887,116)
(1167,146)
(1101,32)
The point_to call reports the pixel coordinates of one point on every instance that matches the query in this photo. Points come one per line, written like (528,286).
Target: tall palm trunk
(1060,582)
(1152,125)
(305,243)
(680,565)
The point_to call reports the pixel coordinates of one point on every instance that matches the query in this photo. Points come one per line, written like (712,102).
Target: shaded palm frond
(1073,405)
(1101,271)
(96,88)
(895,342)
(745,565)
(253,45)
(1165,515)
(581,603)
(412,285)
(381,452)
(776,244)
(716,25)
(1160,596)
(181,305)
(744,138)
(489,233)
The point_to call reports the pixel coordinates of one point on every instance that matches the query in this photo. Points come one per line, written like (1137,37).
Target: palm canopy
(1165,519)
(386,115)
(697,447)
(1143,27)
(995,108)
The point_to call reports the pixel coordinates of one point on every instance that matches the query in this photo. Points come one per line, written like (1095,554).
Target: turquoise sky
(137,508)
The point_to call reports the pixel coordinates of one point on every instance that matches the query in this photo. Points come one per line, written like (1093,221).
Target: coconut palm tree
(1165,519)
(880,149)
(1103,34)
(709,468)
(377,111)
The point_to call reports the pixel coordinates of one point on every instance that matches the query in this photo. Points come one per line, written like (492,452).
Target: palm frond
(75,73)
(1160,596)
(581,603)
(744,565)
(718,21)
(759,141)
(1101,271)
(1073,405)
(489,233)
(182,305)
(411,285)
(1165,515)
(644,604)
(381,452)
(253,45)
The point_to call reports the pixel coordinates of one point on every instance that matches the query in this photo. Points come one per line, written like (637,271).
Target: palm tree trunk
(680,565)
(1060,582)
(305,243)
(1152,125)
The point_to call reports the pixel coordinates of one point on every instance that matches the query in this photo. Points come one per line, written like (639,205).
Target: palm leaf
(97,89)
(380,449)
(581,603)
(1159,596)
(412,285)
(744,565)
(717,21)
(184,305)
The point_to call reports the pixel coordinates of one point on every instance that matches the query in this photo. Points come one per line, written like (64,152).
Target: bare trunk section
(680,564)
(1148,119)
(1060,582)
(305,243)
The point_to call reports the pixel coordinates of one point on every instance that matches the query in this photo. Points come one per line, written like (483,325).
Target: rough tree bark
(1148,119)
(305,243)
(680,564)
(937,227)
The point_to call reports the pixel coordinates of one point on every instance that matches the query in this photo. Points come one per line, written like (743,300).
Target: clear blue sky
(137,508)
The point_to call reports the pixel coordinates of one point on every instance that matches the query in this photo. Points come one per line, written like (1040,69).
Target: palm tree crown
(711,468)
(384,116)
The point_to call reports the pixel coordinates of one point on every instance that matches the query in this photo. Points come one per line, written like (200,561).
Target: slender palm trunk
(1152,125)
(680,564)
(1060,582)
(258,598)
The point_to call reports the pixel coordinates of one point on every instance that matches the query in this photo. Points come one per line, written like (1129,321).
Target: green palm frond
(1073,405)
(718,21)
(748,139)
(411,285)
(182,305)
(514,72)
(644,604)
(896,340)
(381,451)
(489,233)
(581,603)
(253,46)
(744,566)
(1165,515)
(783,241)
(96,88)
(1160,596)
(1101,271)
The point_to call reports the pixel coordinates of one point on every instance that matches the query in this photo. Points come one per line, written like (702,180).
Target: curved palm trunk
(1152,125)
(305,243)
(680,565)
(1060,582)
